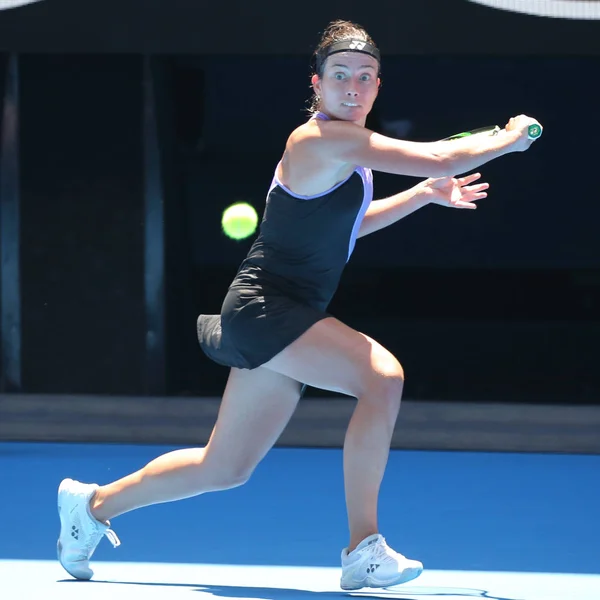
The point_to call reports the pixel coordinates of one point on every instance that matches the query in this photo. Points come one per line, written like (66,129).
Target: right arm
(349,143)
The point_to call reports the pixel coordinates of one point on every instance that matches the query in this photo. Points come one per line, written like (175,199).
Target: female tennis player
(274,331)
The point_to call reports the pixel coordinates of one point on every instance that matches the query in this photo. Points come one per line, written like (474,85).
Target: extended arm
(348,143)
(445,191)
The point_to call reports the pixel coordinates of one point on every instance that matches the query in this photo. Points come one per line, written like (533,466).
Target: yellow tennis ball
(239,220)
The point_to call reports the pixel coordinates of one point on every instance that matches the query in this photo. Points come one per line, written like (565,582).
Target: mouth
(350,104)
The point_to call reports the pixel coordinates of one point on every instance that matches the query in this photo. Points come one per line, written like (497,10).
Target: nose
(351,92)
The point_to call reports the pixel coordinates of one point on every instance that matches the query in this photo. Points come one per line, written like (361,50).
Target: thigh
(256,407)
(335,357)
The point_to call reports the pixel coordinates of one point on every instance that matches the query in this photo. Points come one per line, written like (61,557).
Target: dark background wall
(82,223)
(416,27)
(496,304)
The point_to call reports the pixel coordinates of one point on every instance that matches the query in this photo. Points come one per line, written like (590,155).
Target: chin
(357,113)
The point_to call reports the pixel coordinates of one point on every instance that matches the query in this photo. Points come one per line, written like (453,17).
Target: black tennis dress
(285,283)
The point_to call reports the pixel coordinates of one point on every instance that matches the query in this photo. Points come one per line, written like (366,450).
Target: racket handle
(535,131)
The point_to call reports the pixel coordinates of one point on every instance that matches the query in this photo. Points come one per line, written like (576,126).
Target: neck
(326,117)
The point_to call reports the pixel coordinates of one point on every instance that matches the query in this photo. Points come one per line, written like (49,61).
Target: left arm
(446,191)
(382,213)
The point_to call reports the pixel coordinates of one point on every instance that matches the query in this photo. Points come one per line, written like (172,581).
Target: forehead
(352,60)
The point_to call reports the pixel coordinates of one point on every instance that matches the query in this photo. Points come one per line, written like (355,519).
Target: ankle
(95,507)
(356,539)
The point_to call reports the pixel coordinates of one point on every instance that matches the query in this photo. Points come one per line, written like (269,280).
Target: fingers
(468,199)
(474,197)
(463,204)
(468,179)
(521,123)
(480,187)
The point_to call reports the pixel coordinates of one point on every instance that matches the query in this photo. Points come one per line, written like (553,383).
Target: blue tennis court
(503,526)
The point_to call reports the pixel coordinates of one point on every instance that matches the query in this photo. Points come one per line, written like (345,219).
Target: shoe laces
(112,538)
(94,539)
(383,553)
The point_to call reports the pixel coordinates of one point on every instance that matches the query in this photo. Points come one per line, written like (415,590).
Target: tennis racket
(535,131)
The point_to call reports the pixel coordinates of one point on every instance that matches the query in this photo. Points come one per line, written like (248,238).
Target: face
(348,87)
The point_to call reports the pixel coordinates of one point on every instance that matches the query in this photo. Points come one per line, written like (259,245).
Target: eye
(339,76)
(365,77)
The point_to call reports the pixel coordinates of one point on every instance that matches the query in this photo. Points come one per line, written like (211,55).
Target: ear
(316,83)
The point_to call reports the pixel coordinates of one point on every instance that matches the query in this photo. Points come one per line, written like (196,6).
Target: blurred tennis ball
(239,220)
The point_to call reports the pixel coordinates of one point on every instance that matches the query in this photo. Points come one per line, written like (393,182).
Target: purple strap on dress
(367,178)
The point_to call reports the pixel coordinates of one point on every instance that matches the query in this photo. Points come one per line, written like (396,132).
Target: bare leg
(334,357)
(366,452)
(256,407)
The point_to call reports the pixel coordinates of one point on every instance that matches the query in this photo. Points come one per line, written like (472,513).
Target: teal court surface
(502,526)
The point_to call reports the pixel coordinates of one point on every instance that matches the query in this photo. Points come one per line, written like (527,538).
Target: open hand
(455,192)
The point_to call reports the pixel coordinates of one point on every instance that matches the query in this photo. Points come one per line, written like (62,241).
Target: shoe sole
(406,576)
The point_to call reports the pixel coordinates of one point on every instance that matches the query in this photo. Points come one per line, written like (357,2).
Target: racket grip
(535,131)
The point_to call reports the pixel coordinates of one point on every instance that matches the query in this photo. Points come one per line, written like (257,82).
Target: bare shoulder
(307,167)
(321,136)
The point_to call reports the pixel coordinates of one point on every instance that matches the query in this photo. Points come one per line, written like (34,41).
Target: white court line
(28,580)
(566,9)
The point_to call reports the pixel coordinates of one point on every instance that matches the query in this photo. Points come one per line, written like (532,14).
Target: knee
(232,476)
(235,479)
(386,383)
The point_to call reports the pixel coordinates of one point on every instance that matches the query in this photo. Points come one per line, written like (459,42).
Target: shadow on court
(265,593)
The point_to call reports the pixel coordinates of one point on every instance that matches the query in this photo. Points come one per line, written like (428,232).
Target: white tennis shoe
(374,564)
(80,533)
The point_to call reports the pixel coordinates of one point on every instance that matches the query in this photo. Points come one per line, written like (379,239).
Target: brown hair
(336,31)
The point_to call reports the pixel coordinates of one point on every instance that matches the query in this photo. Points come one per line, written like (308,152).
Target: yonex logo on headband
(347,46)
(356,45)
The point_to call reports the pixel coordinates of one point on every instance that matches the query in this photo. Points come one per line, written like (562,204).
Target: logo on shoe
(372,568)
(74,532)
